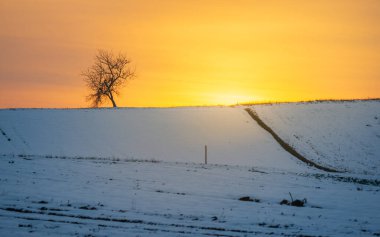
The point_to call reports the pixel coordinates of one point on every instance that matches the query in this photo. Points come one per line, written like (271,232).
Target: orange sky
(197,52)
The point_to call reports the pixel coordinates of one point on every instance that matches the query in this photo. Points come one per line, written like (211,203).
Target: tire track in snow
(176,228)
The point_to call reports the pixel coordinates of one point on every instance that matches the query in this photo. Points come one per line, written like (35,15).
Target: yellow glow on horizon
(231,99)
(191,52)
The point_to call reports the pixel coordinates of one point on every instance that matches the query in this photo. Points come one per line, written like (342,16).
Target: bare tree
(106,76)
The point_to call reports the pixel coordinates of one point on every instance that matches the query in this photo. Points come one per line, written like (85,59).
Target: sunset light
(187,118)
(191,52)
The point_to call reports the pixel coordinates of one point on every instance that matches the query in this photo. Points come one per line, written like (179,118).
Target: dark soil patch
(345,179)
(26,226)
(274,226)
(50,209)
(249,199)
(284,202)
(298,203)
(88,207)
(161,191)
(41,202)
(294,203)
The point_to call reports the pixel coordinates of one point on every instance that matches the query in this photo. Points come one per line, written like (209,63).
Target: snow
(343,135)
(179,134)
(171,199)
(140,172)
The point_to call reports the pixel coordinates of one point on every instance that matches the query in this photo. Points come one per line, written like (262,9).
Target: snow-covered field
(343,135)
(180,134)
(140,172)
(50,196)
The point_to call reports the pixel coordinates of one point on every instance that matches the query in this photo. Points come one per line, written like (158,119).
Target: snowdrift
(344,135)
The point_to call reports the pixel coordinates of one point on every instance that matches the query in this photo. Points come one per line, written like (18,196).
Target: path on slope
(176,134)
(344,135)
(285,145)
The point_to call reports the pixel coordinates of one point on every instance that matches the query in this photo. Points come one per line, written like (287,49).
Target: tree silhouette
(107,76)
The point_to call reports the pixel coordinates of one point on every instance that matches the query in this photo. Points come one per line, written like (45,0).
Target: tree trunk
(113,103)
(112,100)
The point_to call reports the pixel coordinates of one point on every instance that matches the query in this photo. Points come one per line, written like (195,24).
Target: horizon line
(249,103)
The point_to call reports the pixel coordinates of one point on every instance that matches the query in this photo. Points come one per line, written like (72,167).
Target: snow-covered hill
(180,134)
(344,135)
(341,135)
(139,172)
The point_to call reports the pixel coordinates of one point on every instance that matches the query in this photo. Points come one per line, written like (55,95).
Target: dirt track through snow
(285,145)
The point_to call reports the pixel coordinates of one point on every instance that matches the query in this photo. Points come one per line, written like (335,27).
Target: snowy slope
(179,134)
(344,135)
(80,172)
